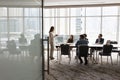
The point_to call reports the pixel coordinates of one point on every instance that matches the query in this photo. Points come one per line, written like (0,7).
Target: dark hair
(71,36)
(22,35)
(100,35)
(85,35)
(51,29)
(82,37)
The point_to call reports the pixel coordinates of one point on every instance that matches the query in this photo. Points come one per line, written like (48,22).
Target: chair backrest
(83,50)
(114,42)
(65,49)
(107,49)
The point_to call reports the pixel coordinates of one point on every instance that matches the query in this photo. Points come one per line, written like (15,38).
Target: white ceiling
(55,2)
(79,2)
(20,3)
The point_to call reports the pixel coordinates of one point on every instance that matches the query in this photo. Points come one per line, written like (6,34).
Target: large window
(92,28)
(89,20)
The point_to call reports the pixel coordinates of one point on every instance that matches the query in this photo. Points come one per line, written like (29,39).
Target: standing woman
(51,40)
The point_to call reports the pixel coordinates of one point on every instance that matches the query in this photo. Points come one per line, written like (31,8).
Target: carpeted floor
(76,71)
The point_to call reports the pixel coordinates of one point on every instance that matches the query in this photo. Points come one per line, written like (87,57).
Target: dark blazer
(70,41)
(100,42)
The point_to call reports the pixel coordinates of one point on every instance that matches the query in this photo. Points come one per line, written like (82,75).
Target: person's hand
(56,35)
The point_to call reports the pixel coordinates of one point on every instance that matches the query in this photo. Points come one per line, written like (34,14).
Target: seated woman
(70,39)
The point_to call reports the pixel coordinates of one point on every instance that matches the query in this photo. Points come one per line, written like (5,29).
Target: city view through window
(67,21)
(89,20)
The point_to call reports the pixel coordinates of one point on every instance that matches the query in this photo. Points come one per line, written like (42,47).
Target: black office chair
(65,50)
(83,52)
(118,58)
(115,49)
(107,49)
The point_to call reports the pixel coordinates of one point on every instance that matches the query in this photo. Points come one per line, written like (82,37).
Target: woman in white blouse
(51,41)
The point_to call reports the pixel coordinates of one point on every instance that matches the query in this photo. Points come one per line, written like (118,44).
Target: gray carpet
(76,71)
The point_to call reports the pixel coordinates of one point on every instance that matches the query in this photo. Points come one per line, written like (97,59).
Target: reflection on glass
(20,50)
(3,12)
(31,12)
(15,11)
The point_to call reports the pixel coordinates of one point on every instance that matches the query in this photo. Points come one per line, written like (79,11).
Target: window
(110,11)
(92,28)
(89,20)
(93,11)
(109,28)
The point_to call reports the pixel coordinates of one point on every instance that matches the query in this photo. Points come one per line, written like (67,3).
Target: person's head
(108,42)
(82,37)
(85,35)
(100,36)
(51,29)
(37,36)
(22,35)
(71,36)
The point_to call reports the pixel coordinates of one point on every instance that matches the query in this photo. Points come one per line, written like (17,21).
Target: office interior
(69,17)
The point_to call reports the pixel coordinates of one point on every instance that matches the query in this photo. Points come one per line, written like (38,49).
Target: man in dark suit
(99,40)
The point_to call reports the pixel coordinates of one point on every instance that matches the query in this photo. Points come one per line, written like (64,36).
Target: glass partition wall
(89,20)
(21,43)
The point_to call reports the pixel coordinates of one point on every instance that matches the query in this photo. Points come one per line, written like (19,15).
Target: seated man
(34,47)
(99,40)
(22,39)
(81,41)
(11,47)
(22,42)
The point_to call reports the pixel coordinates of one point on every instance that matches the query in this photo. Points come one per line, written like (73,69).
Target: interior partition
(21,43)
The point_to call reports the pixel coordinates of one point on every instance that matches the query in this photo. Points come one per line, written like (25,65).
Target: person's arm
(96,41)
(77,43)
(68,41)
(54,35)
(102,41)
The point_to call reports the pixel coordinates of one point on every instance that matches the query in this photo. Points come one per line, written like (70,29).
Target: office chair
(83,52)
(107,49)
(65,50)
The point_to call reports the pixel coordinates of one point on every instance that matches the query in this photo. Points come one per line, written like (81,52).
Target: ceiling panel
(20,2)
(78,2)
(54,2)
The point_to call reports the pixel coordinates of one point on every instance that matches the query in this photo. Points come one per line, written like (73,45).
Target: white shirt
(51,37)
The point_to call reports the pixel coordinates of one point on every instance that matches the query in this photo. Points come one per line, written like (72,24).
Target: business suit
(99,41)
